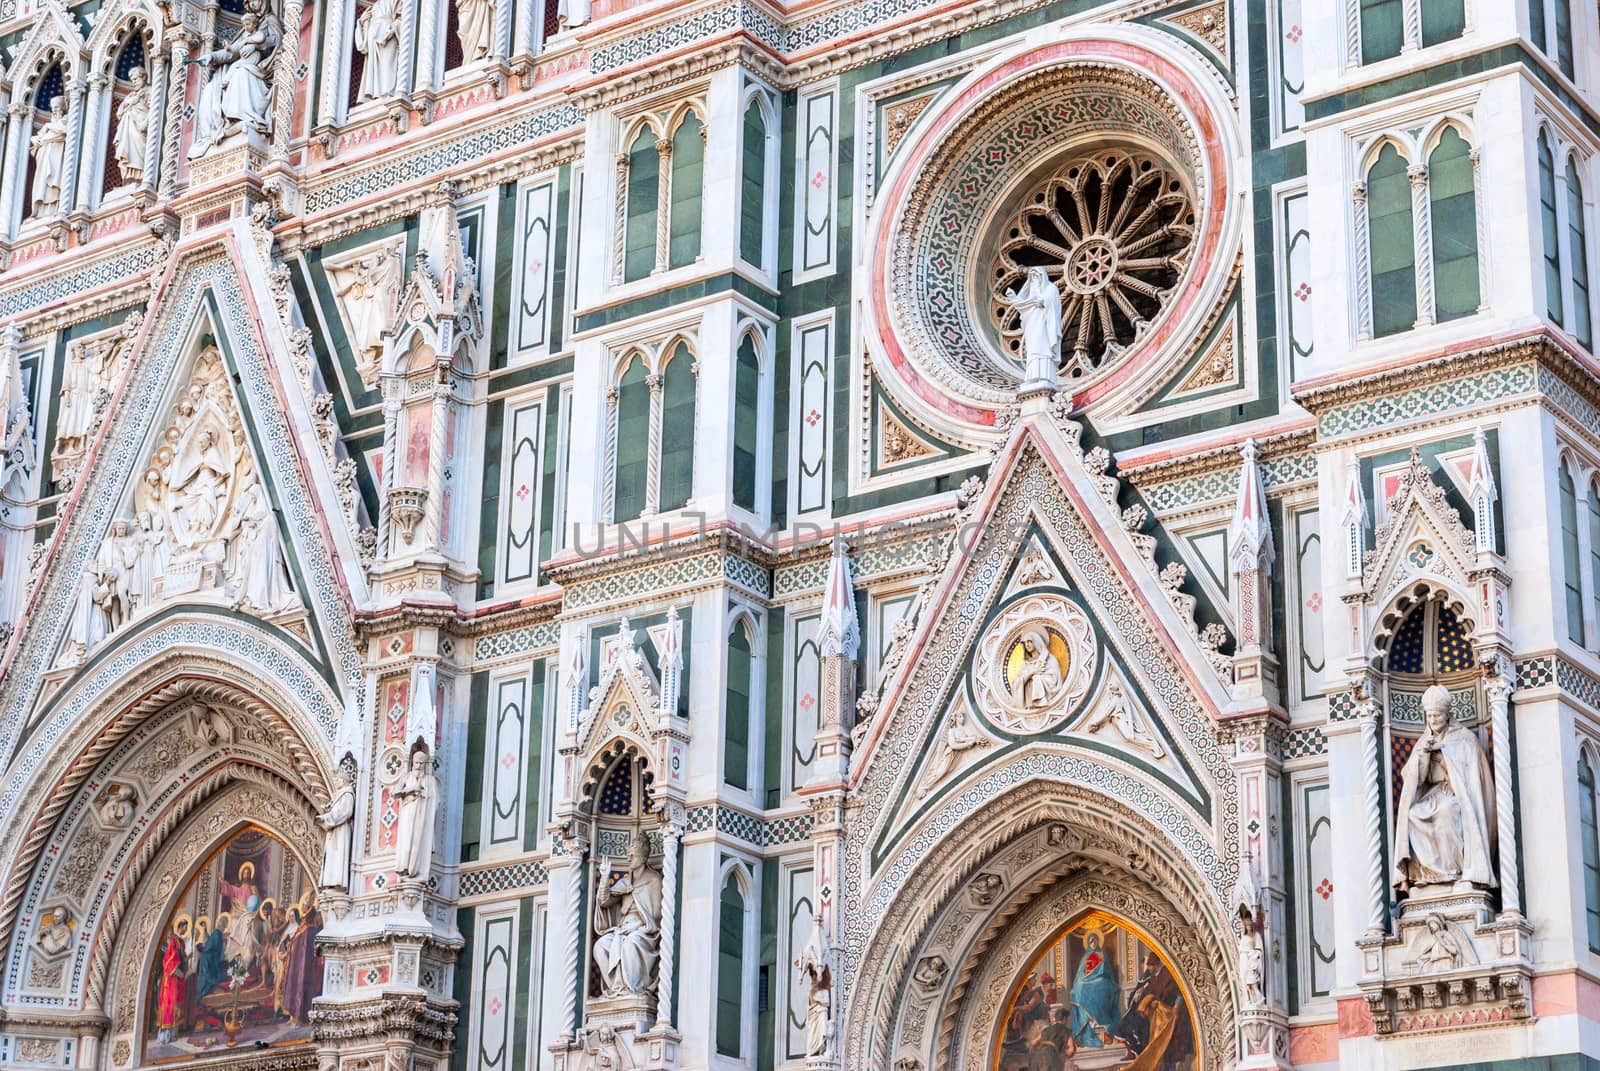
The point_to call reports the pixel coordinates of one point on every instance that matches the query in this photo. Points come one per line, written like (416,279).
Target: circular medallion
(1035,663)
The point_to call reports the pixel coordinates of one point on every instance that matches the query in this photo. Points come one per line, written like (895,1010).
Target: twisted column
(391,432)
(609,476)
(436,448)
(96,118)
(1372,774)
(333,62)
(652,473)
(16,165)
(1352,32)
(1499,693)
(74,151)
(153,132)
(577,848)
(619,255)
(671,835)
(177,80)
(284,80)
(1422,241)
(663,203)
(1358,195)
(1411,17)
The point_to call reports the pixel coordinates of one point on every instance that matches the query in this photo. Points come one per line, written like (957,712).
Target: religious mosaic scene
(799,535)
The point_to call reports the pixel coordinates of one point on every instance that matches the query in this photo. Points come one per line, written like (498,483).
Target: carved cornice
(1209,459)
(1319,395)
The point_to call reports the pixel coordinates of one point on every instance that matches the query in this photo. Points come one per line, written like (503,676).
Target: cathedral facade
(830,535)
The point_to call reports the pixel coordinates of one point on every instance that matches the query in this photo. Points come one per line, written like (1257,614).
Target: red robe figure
(169,1001)
(302,976)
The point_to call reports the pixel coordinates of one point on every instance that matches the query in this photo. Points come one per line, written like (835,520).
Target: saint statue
(151,561)
(55,932)
(627,924)
(1039,307)
(49,159)
(418,795)
(258,555)
(133,124)
(1445,820)
(959,736)
(198,486)
(79,384)
(818,978)
(335,823)
(88,626)
(369,288)
(1252,963)
(476,28)
(238,97)
(1039,675)
(114,564)
(378,38)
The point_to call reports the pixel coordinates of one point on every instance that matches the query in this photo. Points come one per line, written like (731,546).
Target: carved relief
(367,290)
(1034,664)
(91,372)
(898,119)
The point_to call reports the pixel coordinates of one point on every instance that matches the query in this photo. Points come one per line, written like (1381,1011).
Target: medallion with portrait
(1098,997)
(1035,663)
(236,965)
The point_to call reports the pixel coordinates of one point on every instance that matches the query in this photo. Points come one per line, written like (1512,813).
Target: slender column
(1483,233)
(1358,195)
(652,468)
(17,165)
(502,31)
(335,61)
(576,849)
(429,36)
(663,203)
(96,120)
(69,178)
(1372,781)
(284,63)
(177,82)
(1411,14)
(1422,242)
(671,835)
(153,132)
(619,257)
(1352,32)
(1499,694)
(405,73)
(436,449)
(391,431)
(609,476)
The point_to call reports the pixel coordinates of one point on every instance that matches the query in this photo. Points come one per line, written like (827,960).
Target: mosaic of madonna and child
(1098,998)
(237,963)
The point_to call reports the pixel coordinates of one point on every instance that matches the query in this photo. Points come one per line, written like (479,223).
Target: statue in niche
(368,290)
(49,144)
(818,979)
(335,823)
(1445,820)
(627,923)
(197,488)
(418,795)
(475,28)
(114,568)
(1039,675)
(238,97)
(378,38)
(258,551)
(1039,307)
(75,412)
(133,125)
(1252,965)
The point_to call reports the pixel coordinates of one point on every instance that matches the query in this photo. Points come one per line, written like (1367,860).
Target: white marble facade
(566,534)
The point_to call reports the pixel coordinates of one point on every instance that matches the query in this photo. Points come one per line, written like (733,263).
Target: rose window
(1114,232)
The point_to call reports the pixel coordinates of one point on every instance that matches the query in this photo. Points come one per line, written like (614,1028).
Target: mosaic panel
(512,877)
(1427,401)
(1223,483)
(1301,743)
(544,636)
(116,269)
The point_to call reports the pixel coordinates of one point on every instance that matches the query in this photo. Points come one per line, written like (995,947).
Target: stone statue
(818,979)
(1439,949)
(418,795)
(1039,307)
(88,626)
(627,924)
(930,972)
(151,561)
(49,144)
(1252,964)
(75,412)
(1125,716)
(133,124)
(197,488)
(335,823)
(475,21)
(238,97)
(368,290)
(258,554)
(378,38)
(118,806)
(959,736)
(1445,820)
(55,932)
(114,566)
(1040,674)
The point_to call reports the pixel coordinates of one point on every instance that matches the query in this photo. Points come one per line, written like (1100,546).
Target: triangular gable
(1048,491)
(52,26)
(1422,536)
(222,290)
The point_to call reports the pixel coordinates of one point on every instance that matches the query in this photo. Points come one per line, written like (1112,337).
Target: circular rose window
(1113,231)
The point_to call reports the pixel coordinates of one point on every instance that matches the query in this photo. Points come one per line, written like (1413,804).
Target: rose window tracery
(1114,231)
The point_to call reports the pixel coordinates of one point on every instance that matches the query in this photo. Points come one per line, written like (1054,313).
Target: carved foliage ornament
(1035,663)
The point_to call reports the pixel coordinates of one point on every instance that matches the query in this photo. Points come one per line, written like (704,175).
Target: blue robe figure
(210,974)
(1096,997)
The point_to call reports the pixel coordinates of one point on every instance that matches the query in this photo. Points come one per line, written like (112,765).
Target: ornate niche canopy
(1103,160)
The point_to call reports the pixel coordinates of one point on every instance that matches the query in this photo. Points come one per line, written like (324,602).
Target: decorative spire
(839,634)
(671,655)
(1354,521)
(1482,492)
(577,670)
(1251,532)
(348,740)
(422,719)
